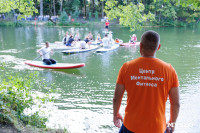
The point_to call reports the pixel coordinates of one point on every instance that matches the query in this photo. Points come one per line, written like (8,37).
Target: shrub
(16,95)
(63,19)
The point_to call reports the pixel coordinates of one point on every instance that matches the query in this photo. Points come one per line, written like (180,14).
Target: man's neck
(148,56)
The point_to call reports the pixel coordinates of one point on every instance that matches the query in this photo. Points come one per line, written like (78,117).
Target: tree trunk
(35,6)
(54,8)
(102,10)
(61,6)
(159,16)
(93,6)
(15,18)
(85,8)
(41,7)
(50,7)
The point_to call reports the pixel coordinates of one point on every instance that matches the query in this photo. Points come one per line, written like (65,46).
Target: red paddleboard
(55,66)
(130,44)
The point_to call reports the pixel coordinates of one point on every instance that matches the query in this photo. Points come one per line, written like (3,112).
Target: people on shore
(148,82)
(45,53)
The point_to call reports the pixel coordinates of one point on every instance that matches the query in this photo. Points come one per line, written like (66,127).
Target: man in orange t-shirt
(148,82)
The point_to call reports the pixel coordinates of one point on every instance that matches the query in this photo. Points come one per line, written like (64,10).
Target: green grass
(16,95)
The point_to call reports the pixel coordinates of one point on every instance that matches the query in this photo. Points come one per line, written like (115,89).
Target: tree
(102,15)
(129,14)
(61,5)
(41,7)
(24,7)
(54,8)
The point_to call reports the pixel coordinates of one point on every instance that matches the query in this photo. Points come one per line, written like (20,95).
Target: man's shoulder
(163,63)
(143,60)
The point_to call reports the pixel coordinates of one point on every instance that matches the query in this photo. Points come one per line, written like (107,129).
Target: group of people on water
(70,40)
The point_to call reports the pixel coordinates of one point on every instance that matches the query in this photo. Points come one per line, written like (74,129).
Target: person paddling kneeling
(45,53)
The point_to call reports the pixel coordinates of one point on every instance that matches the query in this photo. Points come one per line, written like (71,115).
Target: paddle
(36,58)
(40,56)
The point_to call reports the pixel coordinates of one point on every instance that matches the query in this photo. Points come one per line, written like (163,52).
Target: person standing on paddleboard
(107,24)
(148,82)
(45,53)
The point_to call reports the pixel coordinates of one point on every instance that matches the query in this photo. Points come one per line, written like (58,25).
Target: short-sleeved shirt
(45,53)
(107,23)
(70,40)
(82,44)
(105,41)
(65,39)
(147,82)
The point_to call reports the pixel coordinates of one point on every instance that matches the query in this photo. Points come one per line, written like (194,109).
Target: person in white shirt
(45,53)
(110,36)
(105,41)
(76,37)
(82,44)
(65,39)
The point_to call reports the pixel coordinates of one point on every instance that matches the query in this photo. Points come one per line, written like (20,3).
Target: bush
(16,95)
(63,19)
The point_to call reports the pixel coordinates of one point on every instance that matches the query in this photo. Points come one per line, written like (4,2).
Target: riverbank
(16,96)
(28,129)
(49,23)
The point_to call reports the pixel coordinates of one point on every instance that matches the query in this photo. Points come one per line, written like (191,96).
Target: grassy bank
(44,23)
(18,93)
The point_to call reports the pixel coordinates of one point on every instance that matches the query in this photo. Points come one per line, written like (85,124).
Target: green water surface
(84,101)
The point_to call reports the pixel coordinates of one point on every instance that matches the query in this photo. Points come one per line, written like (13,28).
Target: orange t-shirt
(147,82)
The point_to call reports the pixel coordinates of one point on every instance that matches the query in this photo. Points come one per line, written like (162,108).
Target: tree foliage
(24,7)
(129,15)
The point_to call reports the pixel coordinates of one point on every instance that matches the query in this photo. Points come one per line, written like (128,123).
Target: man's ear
(158,47)
(141,45)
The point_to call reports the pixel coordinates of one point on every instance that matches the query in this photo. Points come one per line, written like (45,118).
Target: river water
(84,99)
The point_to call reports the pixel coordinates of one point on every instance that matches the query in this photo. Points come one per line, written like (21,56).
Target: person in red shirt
(148,82)
(107,24)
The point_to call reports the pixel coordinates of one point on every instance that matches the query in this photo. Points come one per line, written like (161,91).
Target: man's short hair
(150,40)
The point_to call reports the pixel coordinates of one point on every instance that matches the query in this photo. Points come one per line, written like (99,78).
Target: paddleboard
(50,44)
(107,32)
(130,44)
(59,47)
(73,51)
(96,43)
(55,66)
(63,47)
(101,50)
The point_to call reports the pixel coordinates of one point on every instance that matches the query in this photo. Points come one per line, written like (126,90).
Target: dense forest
(157,12)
